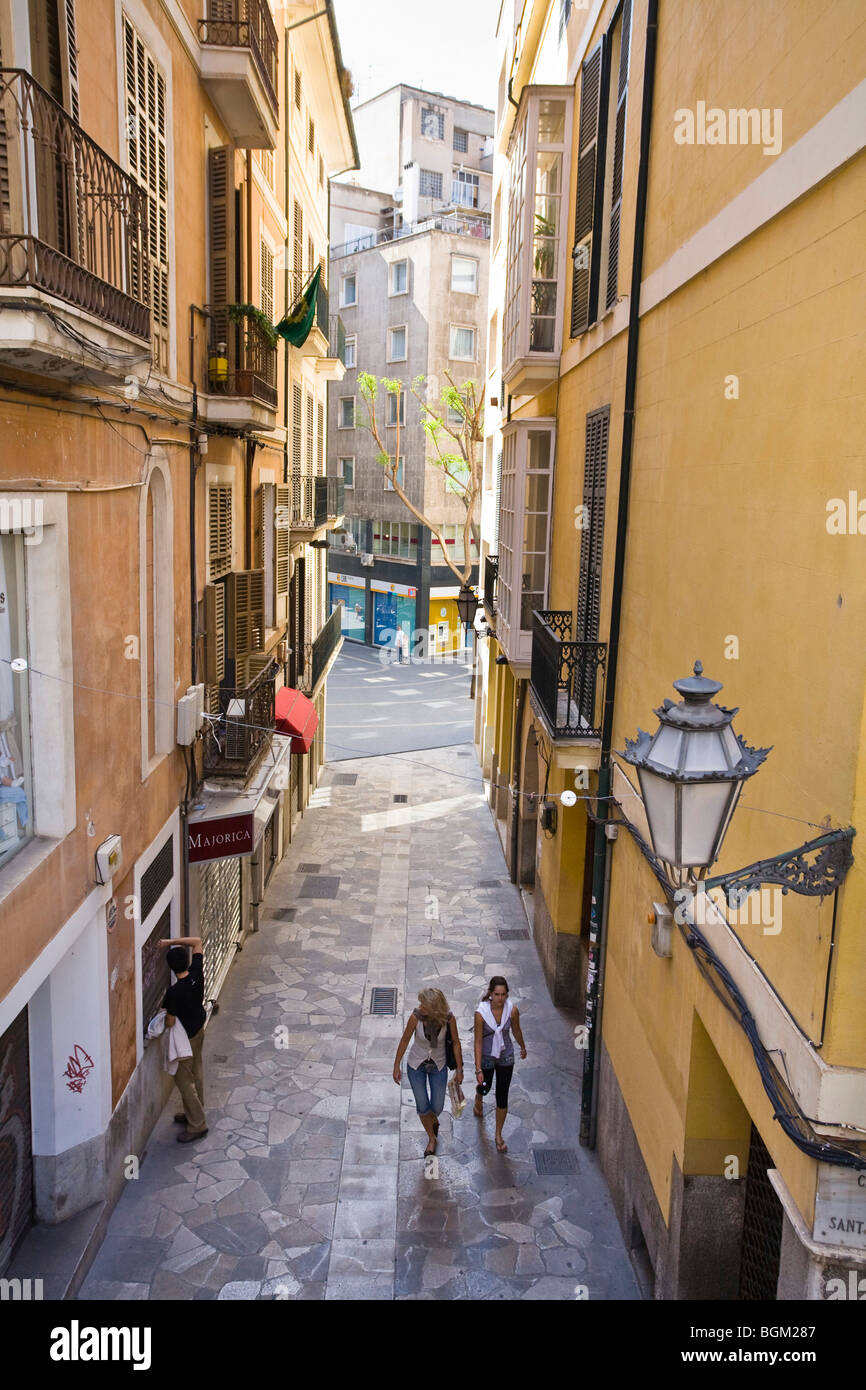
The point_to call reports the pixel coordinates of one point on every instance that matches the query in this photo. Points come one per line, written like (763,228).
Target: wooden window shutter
(219,546)
(497,497)
(215,633)
(585,202)
(297,89)
(266,278)
(221,228)
(612,290)
(320,440)
(69,50)
(263,544)
(245,615)
(592,536)
(281,551)
(299,245)
(310,436)
(297,427)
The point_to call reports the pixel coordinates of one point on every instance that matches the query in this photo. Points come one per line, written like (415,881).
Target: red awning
(295,716)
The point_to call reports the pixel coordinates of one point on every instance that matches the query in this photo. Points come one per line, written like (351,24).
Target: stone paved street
(311,1183)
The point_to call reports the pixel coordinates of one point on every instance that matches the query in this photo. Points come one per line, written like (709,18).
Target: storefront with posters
(393,614)
(348,592)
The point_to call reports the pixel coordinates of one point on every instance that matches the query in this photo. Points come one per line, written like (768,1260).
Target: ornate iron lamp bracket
(816,869)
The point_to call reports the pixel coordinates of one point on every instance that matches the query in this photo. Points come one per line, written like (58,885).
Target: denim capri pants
(432,1099)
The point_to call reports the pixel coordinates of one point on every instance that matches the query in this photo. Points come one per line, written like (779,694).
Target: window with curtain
(16,789)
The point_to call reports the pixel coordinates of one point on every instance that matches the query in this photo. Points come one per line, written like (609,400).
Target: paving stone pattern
(311,1183)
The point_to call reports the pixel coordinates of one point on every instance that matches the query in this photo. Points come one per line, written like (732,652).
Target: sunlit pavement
(376,706)
(311,1182)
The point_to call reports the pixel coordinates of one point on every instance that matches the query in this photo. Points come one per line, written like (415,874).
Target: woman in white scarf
(496,1018)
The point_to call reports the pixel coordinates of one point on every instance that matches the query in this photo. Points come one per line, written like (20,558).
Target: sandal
(430,1149)
(501,1146)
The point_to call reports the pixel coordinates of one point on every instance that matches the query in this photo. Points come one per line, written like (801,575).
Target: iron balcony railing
(456,223)
(241,361)
(337,338)
(324,647)
(238,737)
(309,501)
(71,220)
(491,574)
(336,498)
(245,24)
(564,676)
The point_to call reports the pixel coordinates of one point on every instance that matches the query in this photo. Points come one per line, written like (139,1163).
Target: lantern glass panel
(704,812)
(666,747)
(659,797)
(704,753)
(731,746)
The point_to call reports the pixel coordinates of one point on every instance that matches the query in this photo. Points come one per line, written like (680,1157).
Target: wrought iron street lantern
(691,771)
(467,604)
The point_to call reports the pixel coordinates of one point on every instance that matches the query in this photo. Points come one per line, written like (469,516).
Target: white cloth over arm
(177,1046)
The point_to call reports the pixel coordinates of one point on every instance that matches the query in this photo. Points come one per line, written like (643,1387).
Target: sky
(446,46)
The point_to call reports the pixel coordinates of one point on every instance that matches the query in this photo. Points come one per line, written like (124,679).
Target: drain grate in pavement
(489,883)
(401,796)
(320,886)
(285,914)
(383,1001)
(555,1163)
(345,779)
(464,755)
(309,868)
(513,934)
(220,1057)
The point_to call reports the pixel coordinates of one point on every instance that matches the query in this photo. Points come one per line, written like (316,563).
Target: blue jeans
(419,1079)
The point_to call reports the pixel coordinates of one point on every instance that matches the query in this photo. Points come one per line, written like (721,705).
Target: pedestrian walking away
(496,1018)
(426,1065)
(184,1001)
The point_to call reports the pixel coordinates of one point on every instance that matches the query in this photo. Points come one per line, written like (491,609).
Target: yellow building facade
(702,503)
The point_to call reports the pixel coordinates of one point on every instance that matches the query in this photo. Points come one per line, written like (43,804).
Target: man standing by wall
(184,1000)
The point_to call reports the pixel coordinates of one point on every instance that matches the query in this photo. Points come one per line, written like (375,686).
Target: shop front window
(16,792)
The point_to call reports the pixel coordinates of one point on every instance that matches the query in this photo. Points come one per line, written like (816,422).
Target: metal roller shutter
(16,1149)
(220,919)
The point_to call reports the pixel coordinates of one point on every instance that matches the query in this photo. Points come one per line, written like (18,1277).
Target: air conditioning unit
(367,559)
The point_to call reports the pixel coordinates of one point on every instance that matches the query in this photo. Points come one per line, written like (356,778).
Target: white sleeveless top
(421,1049)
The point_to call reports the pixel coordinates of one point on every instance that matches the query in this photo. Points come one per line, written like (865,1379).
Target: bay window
(535,261)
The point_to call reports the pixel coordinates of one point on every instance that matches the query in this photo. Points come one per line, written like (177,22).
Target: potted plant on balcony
(257,326)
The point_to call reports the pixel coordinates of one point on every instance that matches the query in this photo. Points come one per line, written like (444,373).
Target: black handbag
(450,1056)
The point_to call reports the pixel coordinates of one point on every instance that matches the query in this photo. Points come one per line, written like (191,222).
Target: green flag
(296,325)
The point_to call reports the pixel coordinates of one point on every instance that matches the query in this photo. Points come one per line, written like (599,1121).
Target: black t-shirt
(185,998)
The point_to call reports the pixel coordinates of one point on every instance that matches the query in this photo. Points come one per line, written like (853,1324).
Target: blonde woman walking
(496,1018)
(426,1066)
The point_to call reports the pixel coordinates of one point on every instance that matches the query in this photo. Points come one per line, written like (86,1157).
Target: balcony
(491,573)
(309,502)
(455,224)
(338,338)
(240,375)
(71,230)
(237,740)
(238,66)
(564,680)
(325,647)
(336,499)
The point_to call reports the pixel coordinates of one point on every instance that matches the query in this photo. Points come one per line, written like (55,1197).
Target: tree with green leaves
(456,448)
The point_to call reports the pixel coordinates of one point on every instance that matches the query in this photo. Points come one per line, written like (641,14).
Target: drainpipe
(601,858)
(189,787)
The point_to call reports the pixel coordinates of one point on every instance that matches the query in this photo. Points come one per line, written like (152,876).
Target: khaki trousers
(190,1082)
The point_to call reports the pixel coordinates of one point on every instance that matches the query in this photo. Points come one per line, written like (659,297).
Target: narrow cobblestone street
(311,1182)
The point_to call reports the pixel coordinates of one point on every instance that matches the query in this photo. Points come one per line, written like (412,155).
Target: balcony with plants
(239,69)
(241,369)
